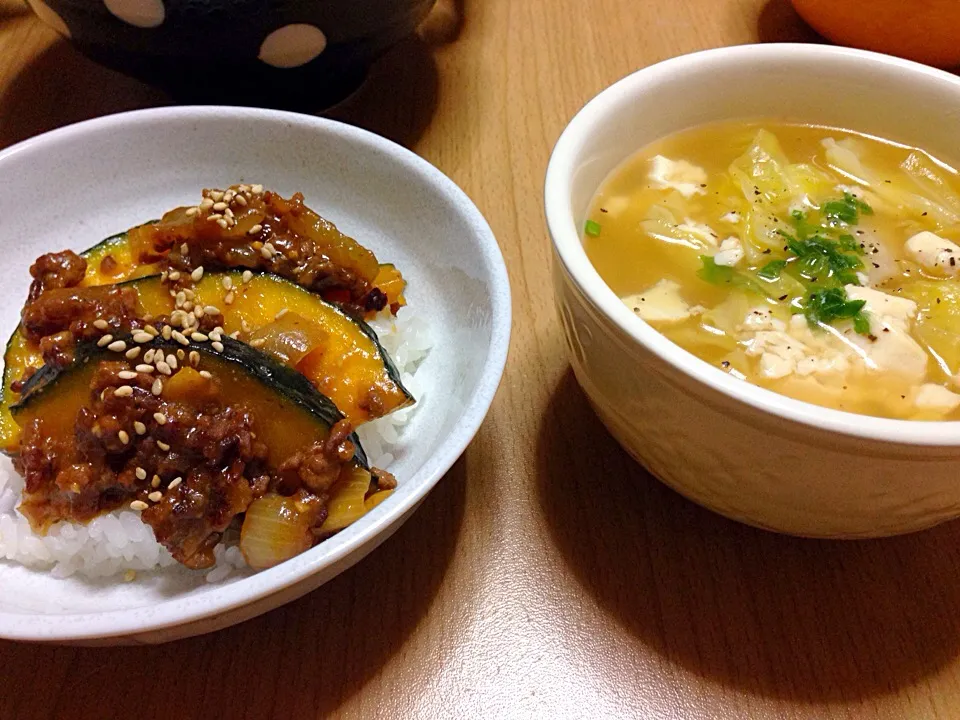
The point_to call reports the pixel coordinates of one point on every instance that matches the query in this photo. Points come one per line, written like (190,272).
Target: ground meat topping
(56,270)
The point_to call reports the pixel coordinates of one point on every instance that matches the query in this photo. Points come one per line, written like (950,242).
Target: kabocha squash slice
(339,354)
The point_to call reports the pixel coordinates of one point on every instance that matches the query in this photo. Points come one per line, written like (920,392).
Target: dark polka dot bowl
(290,53)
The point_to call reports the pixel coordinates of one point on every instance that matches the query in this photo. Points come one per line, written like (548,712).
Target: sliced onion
(347,504)
(274,530)
(290,338)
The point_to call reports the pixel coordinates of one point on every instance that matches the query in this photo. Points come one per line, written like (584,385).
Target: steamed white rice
(118,543)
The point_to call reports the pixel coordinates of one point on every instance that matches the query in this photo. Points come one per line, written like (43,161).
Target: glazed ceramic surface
(307,53)
(739,449)
(74,186)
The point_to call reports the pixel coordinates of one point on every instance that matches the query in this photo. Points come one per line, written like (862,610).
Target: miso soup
(813,261)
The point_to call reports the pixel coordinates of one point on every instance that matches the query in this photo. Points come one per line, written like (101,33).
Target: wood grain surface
(547,575)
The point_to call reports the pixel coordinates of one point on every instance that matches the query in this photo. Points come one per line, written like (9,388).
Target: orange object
(923,30)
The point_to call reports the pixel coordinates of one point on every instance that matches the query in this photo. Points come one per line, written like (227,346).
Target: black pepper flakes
(725,363)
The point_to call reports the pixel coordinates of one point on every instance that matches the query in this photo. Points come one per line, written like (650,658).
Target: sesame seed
(100,324)
(228,298)
(151,330)
(144,368)
(198,312)
(228,213)
(191,295)
(157,387)
(141,473)
(176,319)
(280,314)
(256,189)
(140,429)
(227,282)
(211,309)
(194,358)
(132,353)
(266,252)
(123,391)
(173,483)
(199,337)
(142,337)
(163,276)
(162,445)
(127,375)
(168,332)
(216,336)
(247,275)
(218,346)
(206,204)
(155,482)
(160,418)
(148,355)
(213,217)
(243,187)
(138,505)
(124,436)
(191,211)
(172,361)
(155,496)
(174,275)
(180,338)
(223,223)
(117,346)
(220,206)
(163,368)
(257,342)
(244,326)
(240,200)
(180,354)
(205,374)
(235,334)
(197,273)
(255,229)
(216,195)
(105,340)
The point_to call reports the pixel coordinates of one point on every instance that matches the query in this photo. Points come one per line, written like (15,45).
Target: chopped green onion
(592,228)
(826,306)
(771,271)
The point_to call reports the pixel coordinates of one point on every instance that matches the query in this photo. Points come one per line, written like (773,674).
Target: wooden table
(547,575)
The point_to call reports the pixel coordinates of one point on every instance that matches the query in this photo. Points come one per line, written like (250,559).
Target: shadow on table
(779,22)
(767,614)
(61,86)
(302,660)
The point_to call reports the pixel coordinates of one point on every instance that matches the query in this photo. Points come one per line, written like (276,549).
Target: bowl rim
(127,622)
(569,249)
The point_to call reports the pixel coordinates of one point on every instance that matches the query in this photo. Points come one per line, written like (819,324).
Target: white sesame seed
(162,445)
(213,217)
(257,342)
(173,483)
(151,330)
(117,346)
(127,375)
(216,195)
(160,418)
(140,429)
(180,299)
(244,326)
(103,394)
(155,496)
(220,206)
(265,252)
(218,346)
(205,374)
(148,355)
(123,391)
(142,337)
(280,314)
(163,276)
(235,334)
(144,368)
(243,187)
(157,387)
(240,200)
(124,436)
(167,332)
(198,312)
(256,189)
(270,247)
(199,337)
(100,324)
(216,336)
(194,358)
(172,361)
(228,194)
(191,295)
(180,354)
(255,229)
(132,353)
(227,282)
(191,211)
(174,275)
(228,298)
(155,482)
(105,340)
(206,204)
(163,368)
(197,273)
(211,309)
(176,318)
(138,505)
(228,213)
(223,223)
(180,338)
(141,473)
(247,276)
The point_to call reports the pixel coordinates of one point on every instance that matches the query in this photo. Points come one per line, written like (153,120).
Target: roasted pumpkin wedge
(339,354)
(225,423)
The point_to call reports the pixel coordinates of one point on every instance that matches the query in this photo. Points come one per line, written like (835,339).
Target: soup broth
(813,261)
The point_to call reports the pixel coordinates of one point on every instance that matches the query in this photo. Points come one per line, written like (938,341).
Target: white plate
(74,186)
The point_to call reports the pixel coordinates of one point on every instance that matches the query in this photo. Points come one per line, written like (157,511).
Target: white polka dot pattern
(139,13)
(292,45)
(49,17)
